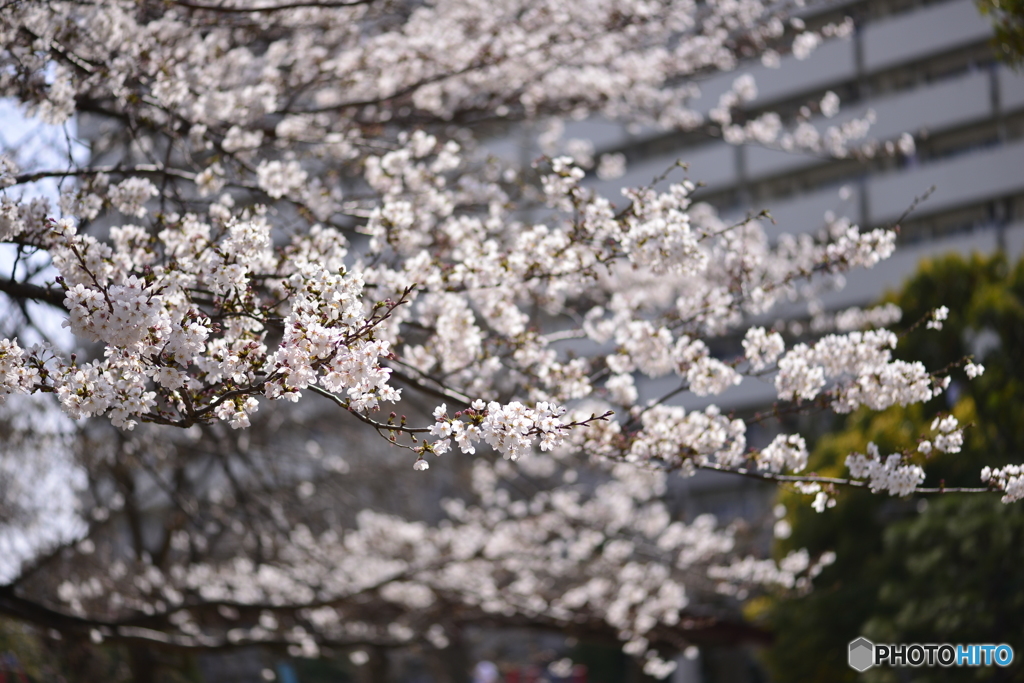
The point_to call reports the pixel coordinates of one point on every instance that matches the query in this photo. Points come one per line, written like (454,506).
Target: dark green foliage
(1008,22)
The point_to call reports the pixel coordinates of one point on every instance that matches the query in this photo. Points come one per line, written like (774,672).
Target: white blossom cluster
(856,318)
(949,439)
(889,474)
(795,570)
(552,558)
(511,430)
(974,370)
(672,436)
(657,232)
(1008,479)
(761,348)
(936,318)
(130,196)
(468,281)
(785,452)
(278,179)
(17,377)
(160,341)
(862,366)
(822,501)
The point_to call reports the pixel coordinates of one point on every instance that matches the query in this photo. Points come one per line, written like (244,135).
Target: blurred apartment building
(924,68)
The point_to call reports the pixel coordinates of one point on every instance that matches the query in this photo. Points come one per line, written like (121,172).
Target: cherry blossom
(303,204)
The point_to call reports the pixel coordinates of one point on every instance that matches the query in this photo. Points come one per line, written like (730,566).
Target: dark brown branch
(23,290)
(444,392)
(236,9)
(835,481)
(379,426)
(140,169)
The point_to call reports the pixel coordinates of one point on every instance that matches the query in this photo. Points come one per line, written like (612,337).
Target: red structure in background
(10,670)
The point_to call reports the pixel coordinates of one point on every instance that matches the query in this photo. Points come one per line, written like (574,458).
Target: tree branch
(23,290)
(835,481)
(233,9)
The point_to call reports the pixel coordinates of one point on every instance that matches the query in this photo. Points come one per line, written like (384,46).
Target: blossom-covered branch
(275,203)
